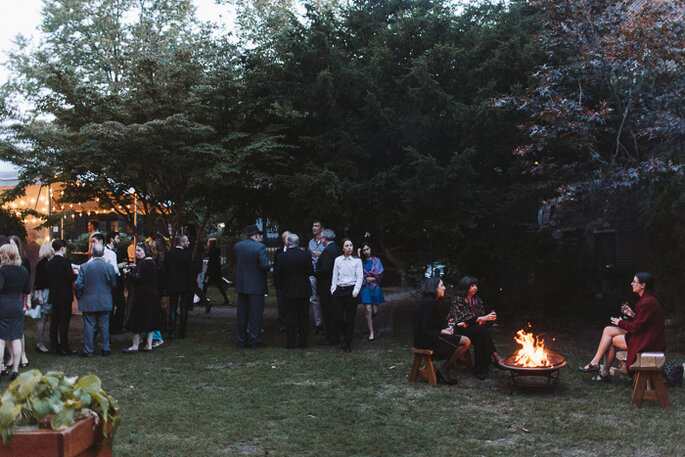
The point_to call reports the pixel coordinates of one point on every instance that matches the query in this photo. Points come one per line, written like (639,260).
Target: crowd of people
(332,279)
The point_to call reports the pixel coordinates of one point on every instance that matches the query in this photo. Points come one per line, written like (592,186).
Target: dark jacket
(426,323)
(61,278)
(646,330)
(324,268)
(251,267)
(94,285)
(179,269)
(292,270)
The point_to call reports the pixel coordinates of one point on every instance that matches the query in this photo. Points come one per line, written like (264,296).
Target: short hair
(328,234)
(430,286)
(319,221)
(46,251)
(58,244)
(647,279)
(465,284)
(98,236)
(9,254)
(293,240)
(180,239)
(111,236)
(145,247)
(97,249)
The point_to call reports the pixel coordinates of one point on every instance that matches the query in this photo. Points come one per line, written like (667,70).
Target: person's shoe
(129,351)
(226,303)
(43,349)
(480,376)
(602,378)
(257,346)
(208,307)
(85,354)
(67,352)
(106,353)
(157,343)
(146,350)
(372,338)
(445,378)
(317,329)
(346,348)
(589,368)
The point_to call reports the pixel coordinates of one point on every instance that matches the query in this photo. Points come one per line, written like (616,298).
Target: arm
(80,279)
(334,278)
(359,277)
(277,272)
(642,320)
(263,259)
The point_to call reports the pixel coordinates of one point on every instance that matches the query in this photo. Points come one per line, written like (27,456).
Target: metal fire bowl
(557,360)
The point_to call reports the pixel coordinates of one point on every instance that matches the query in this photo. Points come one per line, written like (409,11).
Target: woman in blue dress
(371,294)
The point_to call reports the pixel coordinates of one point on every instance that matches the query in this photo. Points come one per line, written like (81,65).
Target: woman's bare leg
(368,310)
(15,345)
(148,339)
(606,341)
(40,330)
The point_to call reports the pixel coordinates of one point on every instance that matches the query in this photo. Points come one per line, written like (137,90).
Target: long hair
(430,287)
(145,247)
(465,284)
(46,251)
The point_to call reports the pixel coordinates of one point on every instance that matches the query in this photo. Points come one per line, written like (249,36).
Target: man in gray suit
(250,284)
(94,286)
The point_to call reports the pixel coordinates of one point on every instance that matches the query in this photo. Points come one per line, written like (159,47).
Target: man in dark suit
(324,273)
(250,284)
(292,270)
(277,285)
(61,278)
(179,268)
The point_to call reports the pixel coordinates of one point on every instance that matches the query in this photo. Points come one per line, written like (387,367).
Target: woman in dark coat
(644,333)
(213,275)
(429,334)
(146,311)
(14,281)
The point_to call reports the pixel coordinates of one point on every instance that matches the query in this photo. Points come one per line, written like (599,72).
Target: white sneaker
(157,343)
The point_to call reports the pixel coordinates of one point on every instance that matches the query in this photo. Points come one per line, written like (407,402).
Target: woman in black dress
(429,334)
(213,275)
(146,311)
(14,281)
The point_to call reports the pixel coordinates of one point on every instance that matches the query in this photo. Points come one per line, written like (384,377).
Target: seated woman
(644,333)
(427,327)
(468,314)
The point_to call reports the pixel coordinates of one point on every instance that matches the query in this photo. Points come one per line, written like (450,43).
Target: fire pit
(533,360)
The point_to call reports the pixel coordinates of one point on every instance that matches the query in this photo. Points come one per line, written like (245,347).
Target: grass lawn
(202,396)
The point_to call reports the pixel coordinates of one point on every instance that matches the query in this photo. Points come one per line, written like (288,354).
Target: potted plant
(52,405)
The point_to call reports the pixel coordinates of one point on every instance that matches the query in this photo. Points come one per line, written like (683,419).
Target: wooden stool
(649,382)
(423,355)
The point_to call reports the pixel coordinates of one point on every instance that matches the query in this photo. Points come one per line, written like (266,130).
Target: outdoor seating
(423,356)
(649,382)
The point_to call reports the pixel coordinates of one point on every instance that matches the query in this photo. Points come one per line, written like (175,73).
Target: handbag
(33,312)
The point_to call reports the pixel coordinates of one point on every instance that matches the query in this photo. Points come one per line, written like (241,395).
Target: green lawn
(203,396)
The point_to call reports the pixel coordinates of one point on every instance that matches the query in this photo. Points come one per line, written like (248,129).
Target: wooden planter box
(79,440)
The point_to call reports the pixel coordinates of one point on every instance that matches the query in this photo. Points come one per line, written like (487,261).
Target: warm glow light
(532,352)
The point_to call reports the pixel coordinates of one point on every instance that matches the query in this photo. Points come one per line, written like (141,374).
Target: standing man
(179,269)
(116,323)
(94,286)
(292,270)
(250,284)
(324,273)
(315,249)
(61,278)
(278,286)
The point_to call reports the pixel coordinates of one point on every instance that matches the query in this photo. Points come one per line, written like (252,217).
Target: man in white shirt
(346,283)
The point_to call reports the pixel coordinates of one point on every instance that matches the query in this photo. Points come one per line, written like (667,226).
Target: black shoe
(14,375)
(317,329)
(346,348)
(480,376)
(67,352)
(257,346)
(106,353)
(85,354)
(442,379)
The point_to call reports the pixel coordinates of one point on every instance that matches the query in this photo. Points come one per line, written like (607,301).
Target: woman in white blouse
(346,283)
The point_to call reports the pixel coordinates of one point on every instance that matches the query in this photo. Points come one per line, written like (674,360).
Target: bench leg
(430,372)
(414,368)
(639,386)
(660,388)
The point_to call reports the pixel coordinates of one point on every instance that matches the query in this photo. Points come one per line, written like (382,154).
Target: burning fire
(532,353)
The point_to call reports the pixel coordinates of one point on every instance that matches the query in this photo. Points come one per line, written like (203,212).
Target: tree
(120,106)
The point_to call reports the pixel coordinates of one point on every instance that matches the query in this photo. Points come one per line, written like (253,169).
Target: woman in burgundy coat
(644,333)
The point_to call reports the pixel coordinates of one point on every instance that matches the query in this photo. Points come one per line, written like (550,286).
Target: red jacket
(646,330)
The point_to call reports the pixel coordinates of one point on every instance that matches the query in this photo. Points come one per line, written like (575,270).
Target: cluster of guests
(333,280)
(467,325)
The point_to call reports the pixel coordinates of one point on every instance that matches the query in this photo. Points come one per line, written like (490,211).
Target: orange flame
(532,352)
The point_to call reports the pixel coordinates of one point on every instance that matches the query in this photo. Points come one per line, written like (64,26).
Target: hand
(316,253)
(615,321)
(354,294)
(447,331)
(370,279)
(461,324)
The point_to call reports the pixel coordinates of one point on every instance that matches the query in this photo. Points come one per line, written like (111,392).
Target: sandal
(601,378)
(589,368)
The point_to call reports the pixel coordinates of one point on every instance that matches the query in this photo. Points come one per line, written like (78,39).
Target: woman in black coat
(429,334)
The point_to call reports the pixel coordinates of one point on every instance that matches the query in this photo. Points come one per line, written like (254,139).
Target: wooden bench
(423,356)
(649,382)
